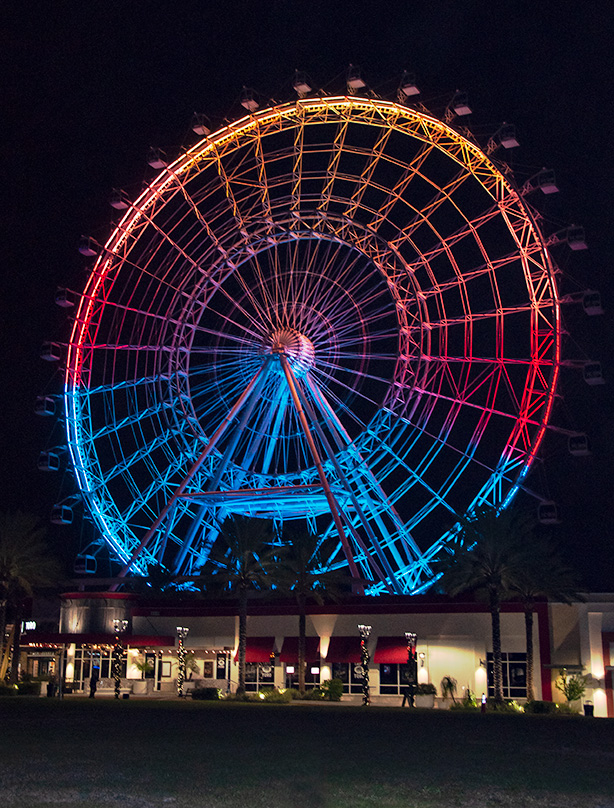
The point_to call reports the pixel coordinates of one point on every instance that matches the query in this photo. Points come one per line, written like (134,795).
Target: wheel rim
(405,282)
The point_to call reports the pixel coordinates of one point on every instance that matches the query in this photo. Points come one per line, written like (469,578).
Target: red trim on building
(543,636)
(258,649)
(289,650)
(607,637)
(344,649)
(390,651)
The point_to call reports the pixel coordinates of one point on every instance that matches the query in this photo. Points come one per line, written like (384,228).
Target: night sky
(89,86)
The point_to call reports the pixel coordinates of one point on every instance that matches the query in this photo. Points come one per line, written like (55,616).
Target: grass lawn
(94,753)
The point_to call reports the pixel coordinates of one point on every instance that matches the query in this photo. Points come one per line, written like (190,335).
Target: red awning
(289,650)
(390,650)
(258,649)
(344,649)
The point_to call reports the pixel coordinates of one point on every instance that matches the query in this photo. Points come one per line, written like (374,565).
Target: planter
(139,687)
(426,702)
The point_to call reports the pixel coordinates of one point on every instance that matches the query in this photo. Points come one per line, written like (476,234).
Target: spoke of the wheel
(352,372)
(350,389)
(211,234)
(282,403)
(241,328)
(332,504)
(346,443)
(355,502)
(260,431)
(197,464)
(228,453)
(209,275)
(340,404)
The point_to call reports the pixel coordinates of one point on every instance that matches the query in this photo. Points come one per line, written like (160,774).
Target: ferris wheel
(338,309)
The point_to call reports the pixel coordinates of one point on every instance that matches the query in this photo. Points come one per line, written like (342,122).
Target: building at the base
(453,640)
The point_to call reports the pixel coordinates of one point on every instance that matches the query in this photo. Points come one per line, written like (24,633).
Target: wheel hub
(296,347)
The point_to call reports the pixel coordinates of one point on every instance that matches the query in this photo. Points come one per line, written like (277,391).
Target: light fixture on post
(120,627)
(182,633)
(412,666)
(228,652)
(364,662)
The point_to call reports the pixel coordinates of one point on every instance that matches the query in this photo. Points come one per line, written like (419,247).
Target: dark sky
(89,86)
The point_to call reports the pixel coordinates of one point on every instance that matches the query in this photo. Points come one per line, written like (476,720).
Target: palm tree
(242,561)
(543,575)
(300,573)
(26,564)
(492,547)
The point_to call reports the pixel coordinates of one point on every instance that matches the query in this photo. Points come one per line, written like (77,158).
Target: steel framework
(337,309)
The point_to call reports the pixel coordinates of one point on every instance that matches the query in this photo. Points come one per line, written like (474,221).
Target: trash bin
(589,709)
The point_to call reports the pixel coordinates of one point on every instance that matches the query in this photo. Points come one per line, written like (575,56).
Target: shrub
(273,696)
(313,694)
(448,687)
(509,706)
(426,689)
(572,686)
(537,707)
(27,688)
(469,699)
(8,690)
(464,707)
(332,689)
(206,693)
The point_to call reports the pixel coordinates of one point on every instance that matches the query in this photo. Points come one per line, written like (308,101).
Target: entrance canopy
(258,649)
(390,650)
(344,649)
(289,650)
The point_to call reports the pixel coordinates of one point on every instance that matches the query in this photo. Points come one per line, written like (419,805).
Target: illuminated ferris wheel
(337,309)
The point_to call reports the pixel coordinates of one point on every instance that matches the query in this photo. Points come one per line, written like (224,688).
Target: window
(99,660)
(41,666)
(258,674)
(514,675)
(393,677)
(350,674)
(311,679)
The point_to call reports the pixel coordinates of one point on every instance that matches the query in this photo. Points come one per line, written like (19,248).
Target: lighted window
(259,675)
(514,667)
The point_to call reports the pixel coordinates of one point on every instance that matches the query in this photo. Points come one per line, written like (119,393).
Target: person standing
(93,682)
(408,695)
